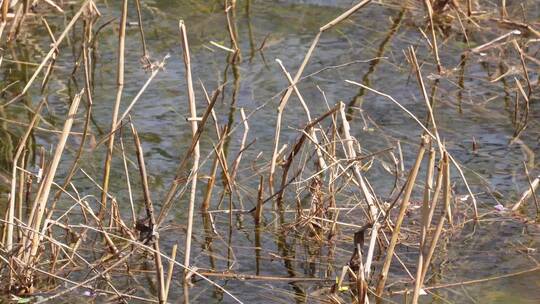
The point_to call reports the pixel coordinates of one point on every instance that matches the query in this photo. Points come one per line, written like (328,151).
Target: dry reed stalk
(155,69)
(154,237)
(428,188)
(295,149)
(396,103)
(15,22)
(114,118)
(438,186)
(63,247)
(38,209)
(50,67)
(350,153)
(435,47)
(298,75)
(71,172)
(259,207)
(471,194)
(170,272)
(145,57)
(231,27)
(345,15)
(212,178)
(128,182)
(85,207)
(12,195)
(429,106)
(521,125)
(236,162)
(401,215)
(211,182)
(524,67)
(281,108)
(222,161)
(168,201)
(5,9)
(446,193)
(533,190)
(527,194)
(218,161)
(49,55)
(503,11)
(456,165)
(85,282)
(371,248)
(99,221)
(477,281)
(491,43)
(322,163)
(150,249)
(21,192)
(196,152)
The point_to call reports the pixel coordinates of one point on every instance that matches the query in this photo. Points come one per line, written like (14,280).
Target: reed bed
(56,242)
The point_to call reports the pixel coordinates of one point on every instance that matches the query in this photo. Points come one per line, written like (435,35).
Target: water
(468,107)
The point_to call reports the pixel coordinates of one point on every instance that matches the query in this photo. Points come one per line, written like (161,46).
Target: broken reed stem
(168,201)
(524,67)
(38,209)
(371,249)
(489,44)
(12,195)
(281,108)
(287,94)
(87,31)
(473,197)
(48,72)
(428,187)
(401,215)
(128,182)
(528,193)
(215,164)
(231,27)
(429,9)
(322,163)
(154,237)
(446,193)
(114,119)
(436,192)
(236,163)
(196,152)
(212,178)
(170,272)
(296,147)
(141,30)
(21,193)
(259,207)
(344,16)
(211,182)
(426,97)
(350,152)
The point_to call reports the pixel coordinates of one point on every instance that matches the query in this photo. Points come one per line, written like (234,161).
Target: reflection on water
(367,49)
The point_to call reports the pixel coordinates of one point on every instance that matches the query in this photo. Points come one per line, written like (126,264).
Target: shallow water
(467,107)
